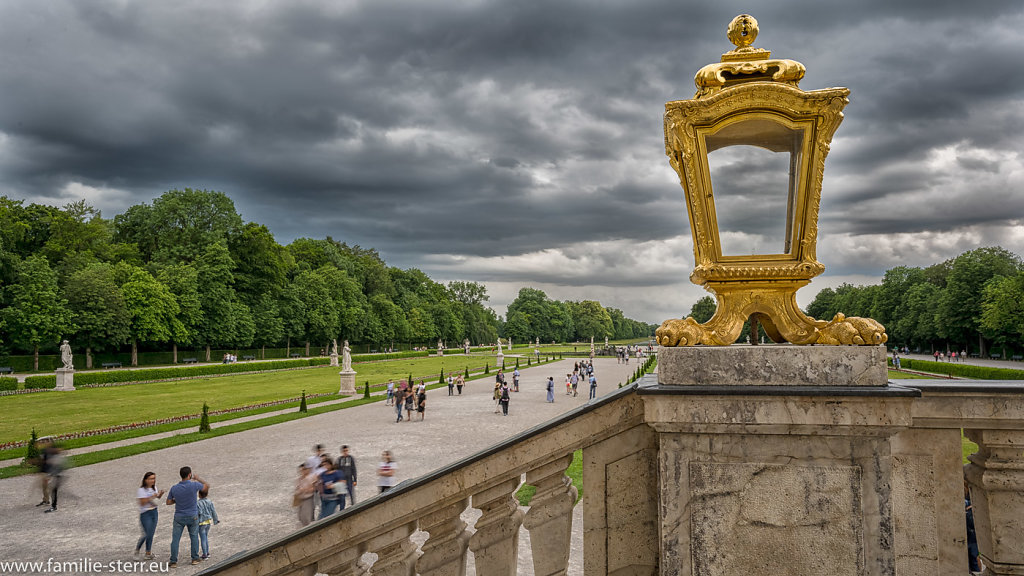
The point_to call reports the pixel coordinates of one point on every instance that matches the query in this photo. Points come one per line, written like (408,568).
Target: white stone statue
(499,346)
(605,341)
(465,345)
(334,347)
(440,345)
(538,340)
(65,355)
(509,342)
(346,358)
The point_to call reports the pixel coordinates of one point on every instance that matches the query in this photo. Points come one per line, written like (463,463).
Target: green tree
(152,308)
(218,325)
(184,223)
(183,282)
(98,309)
(703,309)
(591,320)
(36,312)
(960,306)
(261,264)
(1002,309)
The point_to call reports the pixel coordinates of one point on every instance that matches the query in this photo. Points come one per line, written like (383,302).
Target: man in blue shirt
(184,496)
(593,387)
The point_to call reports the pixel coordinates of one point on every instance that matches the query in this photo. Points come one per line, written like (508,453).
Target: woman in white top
(386,472)
(149,497)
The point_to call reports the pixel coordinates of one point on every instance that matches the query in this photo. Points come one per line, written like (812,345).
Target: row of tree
(187,271)
(965,303)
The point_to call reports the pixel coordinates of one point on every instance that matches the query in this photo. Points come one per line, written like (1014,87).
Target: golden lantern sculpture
(750,99)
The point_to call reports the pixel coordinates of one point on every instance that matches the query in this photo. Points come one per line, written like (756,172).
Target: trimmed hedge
(41,382)
(50,362)
(962,370)
(9,383)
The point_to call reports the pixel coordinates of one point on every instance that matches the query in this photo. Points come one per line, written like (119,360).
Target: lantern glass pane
(754,167)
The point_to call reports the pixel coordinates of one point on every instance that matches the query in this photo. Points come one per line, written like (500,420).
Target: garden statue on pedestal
(334,352)
(440,347)
(348,375)
(465,345)
(66,373)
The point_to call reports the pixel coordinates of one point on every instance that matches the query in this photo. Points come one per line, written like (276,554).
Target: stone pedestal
(348,383)
(772,365)
(773,459)
(65,379)
(334,360)
(500,360)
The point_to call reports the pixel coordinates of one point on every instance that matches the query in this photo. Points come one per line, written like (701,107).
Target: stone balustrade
(707,481)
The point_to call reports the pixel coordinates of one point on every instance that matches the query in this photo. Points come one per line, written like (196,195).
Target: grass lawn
(94,408)
(906,375)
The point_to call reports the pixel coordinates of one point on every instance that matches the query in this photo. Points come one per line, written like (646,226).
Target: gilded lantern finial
(750,99)
(742,30)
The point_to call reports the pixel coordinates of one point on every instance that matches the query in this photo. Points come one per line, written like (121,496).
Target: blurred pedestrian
(302,498)
(551,389)
(386,470)
(347,466)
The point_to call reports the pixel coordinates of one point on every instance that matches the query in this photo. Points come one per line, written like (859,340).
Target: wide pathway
(251,473)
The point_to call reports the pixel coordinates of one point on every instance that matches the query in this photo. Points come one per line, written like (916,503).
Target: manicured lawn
(94,408)
(905,375)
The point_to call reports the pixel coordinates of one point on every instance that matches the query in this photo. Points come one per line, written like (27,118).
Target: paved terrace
(251,473)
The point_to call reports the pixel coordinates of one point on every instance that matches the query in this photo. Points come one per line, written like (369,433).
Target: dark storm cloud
(486,130)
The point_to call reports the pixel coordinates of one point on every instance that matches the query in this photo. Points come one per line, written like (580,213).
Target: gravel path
(251,473)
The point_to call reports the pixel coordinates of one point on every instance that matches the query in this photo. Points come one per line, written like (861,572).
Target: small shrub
(366,389)
(32,451)
(467,373)
(302,403)
(440,378)
(487,369)
(204,420)
(8,383)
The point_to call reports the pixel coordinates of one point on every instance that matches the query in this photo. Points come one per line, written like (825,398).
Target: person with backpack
(504,398)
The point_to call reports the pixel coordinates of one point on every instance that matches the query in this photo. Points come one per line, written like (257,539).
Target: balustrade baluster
(549,519)
(996,477)
(345,563)
(444,553)
(495,544)
(396,553)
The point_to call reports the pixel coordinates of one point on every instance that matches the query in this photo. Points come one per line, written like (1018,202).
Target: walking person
(575,381)
(459,383)
(451,385)
(593,387)
(421,404)
(410,399)
(551,389)
(399,404)
(515,380)
(44,445)
(332,487)
(568,384)
(149,499)
(497,397)
(347,466)
(55,463)
(386,472)
(504,399)
(207,518)
(185,497)
(391,393)
(302,498)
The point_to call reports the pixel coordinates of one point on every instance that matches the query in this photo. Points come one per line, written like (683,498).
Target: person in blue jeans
(593,387)
(333,496)
(149,497)
(207,518)
(185,497)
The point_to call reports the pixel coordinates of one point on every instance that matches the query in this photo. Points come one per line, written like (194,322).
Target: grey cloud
(491,128)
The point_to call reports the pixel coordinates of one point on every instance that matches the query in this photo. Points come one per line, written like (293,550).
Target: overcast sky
(514,143)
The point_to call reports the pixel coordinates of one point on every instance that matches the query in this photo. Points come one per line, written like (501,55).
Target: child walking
(207,518)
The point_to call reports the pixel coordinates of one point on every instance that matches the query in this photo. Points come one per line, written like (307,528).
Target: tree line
(973,302)
(970,302)
(186,271)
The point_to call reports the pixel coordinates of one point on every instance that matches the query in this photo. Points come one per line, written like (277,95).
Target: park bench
(1017,358)
(189,360)
(111,364)
(249,357)
(6,370)
(995,356)
(975,355)
(296,354)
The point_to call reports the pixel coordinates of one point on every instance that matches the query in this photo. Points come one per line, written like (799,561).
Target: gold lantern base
(773,305)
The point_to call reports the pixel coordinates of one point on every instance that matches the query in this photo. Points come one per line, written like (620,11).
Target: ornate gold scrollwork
(749,98)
